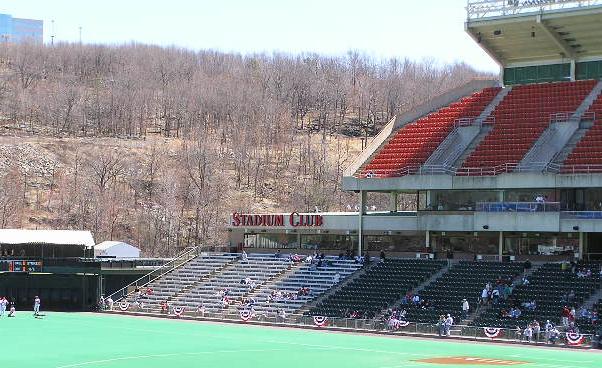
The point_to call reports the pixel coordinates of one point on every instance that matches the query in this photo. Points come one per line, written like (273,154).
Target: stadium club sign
(294,219)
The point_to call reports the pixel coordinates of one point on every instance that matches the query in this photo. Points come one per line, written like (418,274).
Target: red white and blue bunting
(574,339)
(246,314)
(124,306)
(397,324)
(177,311)
(492,332)
(320,321)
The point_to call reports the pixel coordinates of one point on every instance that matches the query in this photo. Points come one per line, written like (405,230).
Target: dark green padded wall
(537,74)
(589,70)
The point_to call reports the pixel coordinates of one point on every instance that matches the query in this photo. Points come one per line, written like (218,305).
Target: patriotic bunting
(246,315)
(177,311)
(320,321)
(574,339)
(124,306)
(492,333)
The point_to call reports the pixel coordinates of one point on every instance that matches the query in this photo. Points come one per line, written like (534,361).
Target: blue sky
(419,29)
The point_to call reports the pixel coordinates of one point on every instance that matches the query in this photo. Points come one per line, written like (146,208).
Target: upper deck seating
(520,119)
(587,154)
(414,143)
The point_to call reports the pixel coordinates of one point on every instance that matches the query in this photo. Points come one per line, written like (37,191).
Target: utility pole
(52,33)
(80,35)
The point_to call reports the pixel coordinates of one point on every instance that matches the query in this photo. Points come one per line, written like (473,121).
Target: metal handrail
(180,260)
(509,167)
(476,9)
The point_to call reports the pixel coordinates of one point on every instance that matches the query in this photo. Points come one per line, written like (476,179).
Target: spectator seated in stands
(149,291)
(164,307)
(337,278)
(585,313)
(416,300)
(515,312)
(582,273)
(304,291)
(296,258)
(244,256)
(531,306)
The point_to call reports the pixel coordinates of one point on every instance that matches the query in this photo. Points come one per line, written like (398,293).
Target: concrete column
(500,245)
(428,198)
(581,244)
(573,70)
(360,229)
(428,240)
(393,202)
(500,196)
(299,240)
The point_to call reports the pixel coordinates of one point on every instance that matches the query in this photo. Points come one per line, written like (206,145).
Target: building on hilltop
(19,30)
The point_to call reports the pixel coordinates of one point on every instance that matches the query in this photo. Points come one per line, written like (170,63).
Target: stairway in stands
(586,156)
(463,280)
(547,286)
(377,289)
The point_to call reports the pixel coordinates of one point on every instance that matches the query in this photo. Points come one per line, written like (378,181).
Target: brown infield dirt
(464,360)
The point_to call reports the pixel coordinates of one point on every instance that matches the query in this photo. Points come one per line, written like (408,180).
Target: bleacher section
(317,279)
(260,268)
(378,288)
(172,283)
(412,145)
(520,119)
(587,154)
(463,280)
(547,286)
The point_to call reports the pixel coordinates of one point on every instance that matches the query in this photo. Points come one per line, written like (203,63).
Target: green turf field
(92,340)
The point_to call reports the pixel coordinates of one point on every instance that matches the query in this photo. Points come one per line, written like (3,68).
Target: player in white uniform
(36,306)
(3,304)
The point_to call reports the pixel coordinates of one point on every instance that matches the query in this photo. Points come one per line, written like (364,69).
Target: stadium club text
(294,219)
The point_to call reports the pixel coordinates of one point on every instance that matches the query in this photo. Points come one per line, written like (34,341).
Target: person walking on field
(36,306)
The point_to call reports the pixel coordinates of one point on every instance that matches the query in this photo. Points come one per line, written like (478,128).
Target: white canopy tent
(116,249)
(45,243)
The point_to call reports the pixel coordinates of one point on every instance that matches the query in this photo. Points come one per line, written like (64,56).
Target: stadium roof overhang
(540,37)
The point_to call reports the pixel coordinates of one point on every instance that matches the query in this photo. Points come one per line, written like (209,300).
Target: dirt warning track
(465,360)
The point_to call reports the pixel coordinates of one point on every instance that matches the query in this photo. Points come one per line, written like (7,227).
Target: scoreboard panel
(20,266)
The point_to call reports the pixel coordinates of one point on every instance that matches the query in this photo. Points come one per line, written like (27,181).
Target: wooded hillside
(158,145)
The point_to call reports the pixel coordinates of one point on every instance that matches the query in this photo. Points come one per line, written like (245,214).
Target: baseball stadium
(500,265)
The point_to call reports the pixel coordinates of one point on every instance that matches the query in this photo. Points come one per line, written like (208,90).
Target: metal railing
(509,167)
(494,8)
(569,117)
(466,122)
(582,215)
(180,260)
(360,325)
(518,207)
